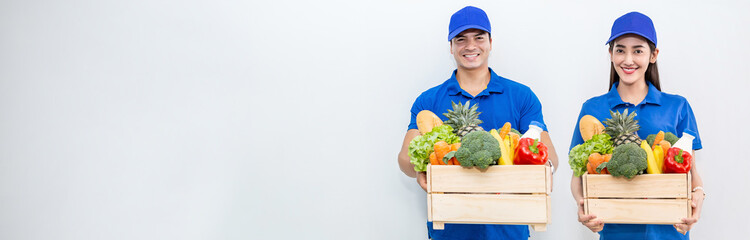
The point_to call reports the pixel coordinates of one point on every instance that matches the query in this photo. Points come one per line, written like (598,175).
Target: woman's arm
(697,197)
(590,220)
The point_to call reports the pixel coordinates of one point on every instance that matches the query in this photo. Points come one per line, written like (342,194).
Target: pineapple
(463,119)
(622,128)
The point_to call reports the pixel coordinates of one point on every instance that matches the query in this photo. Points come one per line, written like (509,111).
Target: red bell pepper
(677,161)
(530,152)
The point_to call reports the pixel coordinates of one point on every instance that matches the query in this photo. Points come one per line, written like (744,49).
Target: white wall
(282,119)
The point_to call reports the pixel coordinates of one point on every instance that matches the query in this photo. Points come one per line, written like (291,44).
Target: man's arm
(551,154)
(403,156)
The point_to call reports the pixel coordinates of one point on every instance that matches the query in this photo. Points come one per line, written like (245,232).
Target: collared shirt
(502,101)
(657,112)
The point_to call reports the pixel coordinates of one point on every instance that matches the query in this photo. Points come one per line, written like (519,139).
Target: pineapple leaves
(462,118)
(622,127)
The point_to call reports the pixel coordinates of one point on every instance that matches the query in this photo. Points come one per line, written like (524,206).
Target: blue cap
(467,18)
(636,23)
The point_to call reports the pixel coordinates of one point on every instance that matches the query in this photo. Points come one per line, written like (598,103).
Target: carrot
(505,130)
(658,138)
(454,147)
(594,157)
(514,138)
(441,148)
(434,161)
(594,160)
(453,161)
(666,145)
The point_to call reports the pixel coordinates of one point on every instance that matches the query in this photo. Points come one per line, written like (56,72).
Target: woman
(634,85)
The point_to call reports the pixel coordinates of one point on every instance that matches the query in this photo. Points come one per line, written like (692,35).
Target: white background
(282,119)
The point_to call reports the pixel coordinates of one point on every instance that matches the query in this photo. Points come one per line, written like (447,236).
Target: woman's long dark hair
(652,72)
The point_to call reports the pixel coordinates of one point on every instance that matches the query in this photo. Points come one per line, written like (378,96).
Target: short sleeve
(417,107)
(577,138)
(532,111)
(687,122)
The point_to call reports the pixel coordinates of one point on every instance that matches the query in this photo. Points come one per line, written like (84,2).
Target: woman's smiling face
(630,57)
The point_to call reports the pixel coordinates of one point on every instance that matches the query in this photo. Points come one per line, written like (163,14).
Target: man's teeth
(473,55)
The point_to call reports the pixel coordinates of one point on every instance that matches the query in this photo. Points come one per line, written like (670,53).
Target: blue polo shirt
(657,112)
(502,101)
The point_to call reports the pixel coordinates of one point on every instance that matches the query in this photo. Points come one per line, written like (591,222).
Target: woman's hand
(590,220)
(422,180)
(687,223)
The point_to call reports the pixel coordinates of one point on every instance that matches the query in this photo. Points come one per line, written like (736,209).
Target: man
(500,100)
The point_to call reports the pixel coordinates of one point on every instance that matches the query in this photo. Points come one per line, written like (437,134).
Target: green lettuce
(421,146)
(579,155)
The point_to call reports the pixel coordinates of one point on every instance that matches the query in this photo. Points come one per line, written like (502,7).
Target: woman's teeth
(629,70)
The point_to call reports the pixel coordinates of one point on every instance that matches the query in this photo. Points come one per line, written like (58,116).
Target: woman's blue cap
(635,23)
(467,18)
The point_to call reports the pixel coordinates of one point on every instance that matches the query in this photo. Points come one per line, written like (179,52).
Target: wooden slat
(489,208)
(495,179)
(642,211)
(429,178)
(429,207)
(542,227)
(438,225)
(548,179)
(538,227)
(585,185)
(641,186)
(549,212)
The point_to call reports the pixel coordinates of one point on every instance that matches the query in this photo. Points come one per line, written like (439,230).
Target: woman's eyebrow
(622,46)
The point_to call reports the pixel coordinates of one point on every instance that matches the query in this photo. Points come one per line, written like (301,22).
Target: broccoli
(627,160)
(669,136)
(479,149)
(513,130)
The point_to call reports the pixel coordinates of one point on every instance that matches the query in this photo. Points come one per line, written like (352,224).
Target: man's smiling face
(471,49)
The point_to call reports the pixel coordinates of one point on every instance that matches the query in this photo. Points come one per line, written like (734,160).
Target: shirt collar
(653,96)
(494,86)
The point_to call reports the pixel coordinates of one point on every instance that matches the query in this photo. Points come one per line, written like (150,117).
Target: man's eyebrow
(477,34)
(622,46)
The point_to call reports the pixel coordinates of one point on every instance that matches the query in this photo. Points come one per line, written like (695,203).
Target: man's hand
(422,180)
(590,220)
(687,223)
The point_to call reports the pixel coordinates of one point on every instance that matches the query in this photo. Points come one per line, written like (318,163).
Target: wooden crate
(645,199)
(518,194)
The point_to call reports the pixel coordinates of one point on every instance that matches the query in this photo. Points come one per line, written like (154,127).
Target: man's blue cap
(467,18)
(636,23)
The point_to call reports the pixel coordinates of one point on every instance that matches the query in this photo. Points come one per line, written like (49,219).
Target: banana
(505,158)
(653,166)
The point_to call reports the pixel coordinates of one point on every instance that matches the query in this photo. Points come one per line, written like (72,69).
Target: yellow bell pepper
(511,153)
(659,156)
